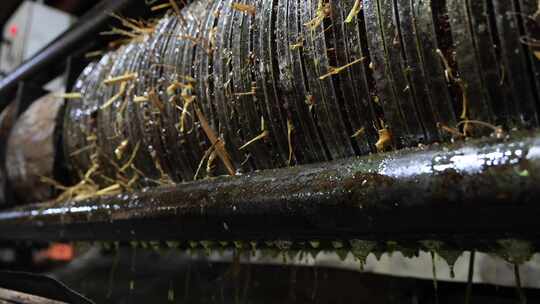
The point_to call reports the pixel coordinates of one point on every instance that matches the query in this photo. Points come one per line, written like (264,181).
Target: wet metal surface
(483,187)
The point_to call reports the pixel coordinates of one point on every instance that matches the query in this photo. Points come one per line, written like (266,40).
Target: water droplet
(173,244)
(361,250)
(337,244)
(315,244)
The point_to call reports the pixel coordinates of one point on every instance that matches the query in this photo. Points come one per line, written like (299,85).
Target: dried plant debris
(359,132)
(130,30)
(245,8)
(357,7)
(216,141)
(264,134)
(232,86)
(385,140)
(335,71)
(74,95)
(323,11)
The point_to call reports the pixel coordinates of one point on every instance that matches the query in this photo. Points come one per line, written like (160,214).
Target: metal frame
(51,61)
(484,188)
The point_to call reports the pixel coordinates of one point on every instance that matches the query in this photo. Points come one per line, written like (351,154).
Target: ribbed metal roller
(230,87)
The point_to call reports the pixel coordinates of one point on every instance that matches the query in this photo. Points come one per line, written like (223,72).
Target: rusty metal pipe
(480,188)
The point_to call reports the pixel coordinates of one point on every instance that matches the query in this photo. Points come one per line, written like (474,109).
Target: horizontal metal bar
(82,34)
(480,188)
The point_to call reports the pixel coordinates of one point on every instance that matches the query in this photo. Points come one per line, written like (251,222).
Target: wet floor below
(129,277)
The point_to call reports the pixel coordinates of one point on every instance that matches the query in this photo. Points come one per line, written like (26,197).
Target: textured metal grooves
(226,90)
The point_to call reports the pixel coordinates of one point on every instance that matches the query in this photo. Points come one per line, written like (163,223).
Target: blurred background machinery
(28,30)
